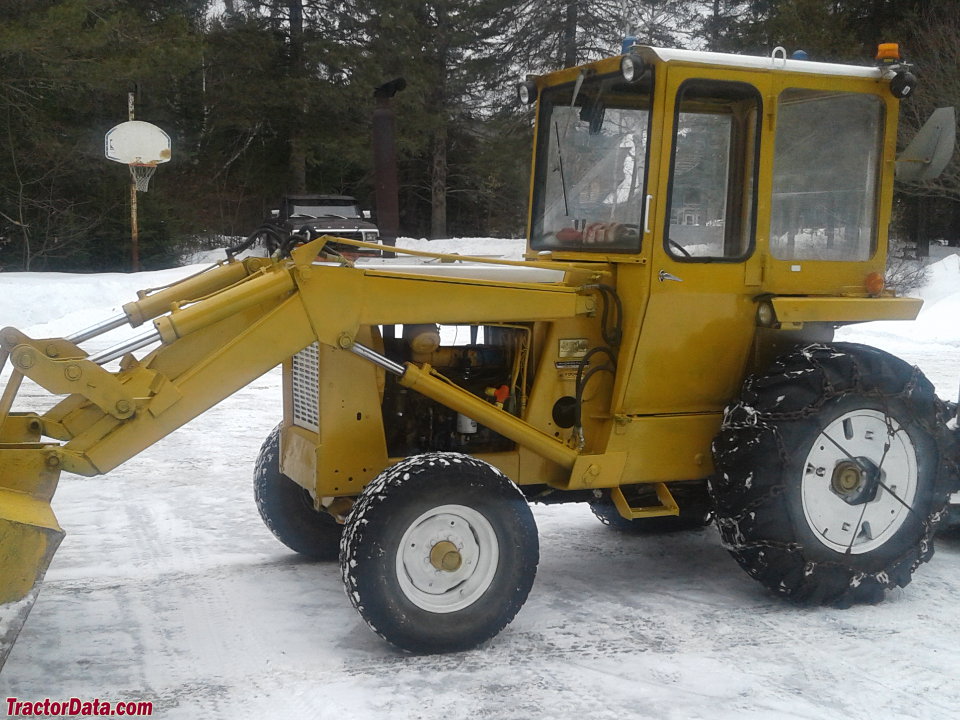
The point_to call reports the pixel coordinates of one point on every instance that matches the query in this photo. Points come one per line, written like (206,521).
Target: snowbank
(48,304)
(55,304)
(939,319)
(510,248)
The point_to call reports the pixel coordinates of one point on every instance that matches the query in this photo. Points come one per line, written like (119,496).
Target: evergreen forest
(267,97)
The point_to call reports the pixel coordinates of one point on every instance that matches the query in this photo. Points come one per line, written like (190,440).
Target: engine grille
(305,381)
(348,234)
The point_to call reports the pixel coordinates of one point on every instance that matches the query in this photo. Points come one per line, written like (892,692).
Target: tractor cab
(779,170)
(730,196)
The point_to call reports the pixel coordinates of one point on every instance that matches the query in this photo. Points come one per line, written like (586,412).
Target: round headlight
(631,67)
(527,92)
(765,315)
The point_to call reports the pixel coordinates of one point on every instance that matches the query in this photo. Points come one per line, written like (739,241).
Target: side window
(713,172)
(825,175)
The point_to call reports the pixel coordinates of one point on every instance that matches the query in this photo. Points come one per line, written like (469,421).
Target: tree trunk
(714,31)
(298,163)
(298,151)
(438,185)
(438,150)
(569,41)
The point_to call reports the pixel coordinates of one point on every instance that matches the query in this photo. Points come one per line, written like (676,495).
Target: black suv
(337,215)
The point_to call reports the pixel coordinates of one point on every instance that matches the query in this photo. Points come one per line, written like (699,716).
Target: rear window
(825,175)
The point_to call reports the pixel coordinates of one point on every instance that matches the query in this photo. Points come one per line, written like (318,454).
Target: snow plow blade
(29,536)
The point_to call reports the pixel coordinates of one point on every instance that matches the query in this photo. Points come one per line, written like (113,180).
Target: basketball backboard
(137,143)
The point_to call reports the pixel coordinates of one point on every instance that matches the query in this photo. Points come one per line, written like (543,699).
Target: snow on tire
(287,509)
(439,553)
(833,470)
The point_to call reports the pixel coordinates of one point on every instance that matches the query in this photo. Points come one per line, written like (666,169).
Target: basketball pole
(134,229)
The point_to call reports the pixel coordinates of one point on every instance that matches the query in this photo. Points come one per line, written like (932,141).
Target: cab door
(698,326)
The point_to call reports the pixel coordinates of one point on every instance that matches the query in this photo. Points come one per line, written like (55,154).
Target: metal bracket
(75,375)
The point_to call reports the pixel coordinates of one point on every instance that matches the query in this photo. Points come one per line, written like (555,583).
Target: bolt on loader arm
(217,331)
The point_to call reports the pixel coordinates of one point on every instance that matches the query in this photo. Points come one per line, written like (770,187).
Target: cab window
(825,175)
(591,166)
(713,171)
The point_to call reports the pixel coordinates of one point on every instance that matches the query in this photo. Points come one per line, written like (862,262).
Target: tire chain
(742,415)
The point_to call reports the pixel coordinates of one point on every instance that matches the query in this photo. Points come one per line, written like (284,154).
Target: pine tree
(445,50)
(66,69)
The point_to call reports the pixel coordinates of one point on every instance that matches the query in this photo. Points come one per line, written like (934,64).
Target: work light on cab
(632,67)
(527,92)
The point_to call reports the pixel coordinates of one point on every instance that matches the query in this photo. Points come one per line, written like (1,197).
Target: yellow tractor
(699,225)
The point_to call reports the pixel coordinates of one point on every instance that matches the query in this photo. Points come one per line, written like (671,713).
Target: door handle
(646,215)
(664,275)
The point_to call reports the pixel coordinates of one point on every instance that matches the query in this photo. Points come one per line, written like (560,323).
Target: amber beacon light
(888,53)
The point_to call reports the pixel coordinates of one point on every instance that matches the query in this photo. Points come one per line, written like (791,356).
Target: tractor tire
(439,553)
(833,471)
(287,508)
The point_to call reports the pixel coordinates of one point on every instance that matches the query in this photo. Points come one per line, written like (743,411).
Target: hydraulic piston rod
(98,329)
(135,343)
(426,382)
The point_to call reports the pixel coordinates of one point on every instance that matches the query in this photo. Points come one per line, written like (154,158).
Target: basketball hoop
(139,145)
(141,175)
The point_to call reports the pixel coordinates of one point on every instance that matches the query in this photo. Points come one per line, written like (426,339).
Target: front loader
(699,225)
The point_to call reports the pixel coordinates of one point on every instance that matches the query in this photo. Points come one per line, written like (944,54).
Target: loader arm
(217,332)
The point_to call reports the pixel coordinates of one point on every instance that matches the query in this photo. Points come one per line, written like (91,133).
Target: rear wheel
(830,474)
(439,553)
(288,509)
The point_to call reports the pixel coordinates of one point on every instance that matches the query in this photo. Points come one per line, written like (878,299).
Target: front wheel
(439,553)
(288,510)
(831,474)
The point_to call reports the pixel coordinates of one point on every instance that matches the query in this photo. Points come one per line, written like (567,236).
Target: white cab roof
(764,63)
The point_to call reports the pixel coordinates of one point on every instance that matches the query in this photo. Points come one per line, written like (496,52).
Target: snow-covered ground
(168,588)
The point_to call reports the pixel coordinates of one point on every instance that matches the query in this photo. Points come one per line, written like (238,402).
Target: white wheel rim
(859,528)
(444,591)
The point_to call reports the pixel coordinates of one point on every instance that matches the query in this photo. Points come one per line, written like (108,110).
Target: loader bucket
(29,536)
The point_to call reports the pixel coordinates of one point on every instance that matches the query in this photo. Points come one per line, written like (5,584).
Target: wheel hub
(445,556)
(859,481)
(856,481)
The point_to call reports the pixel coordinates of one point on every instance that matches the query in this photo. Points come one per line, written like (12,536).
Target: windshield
(591,166)
(325,208)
